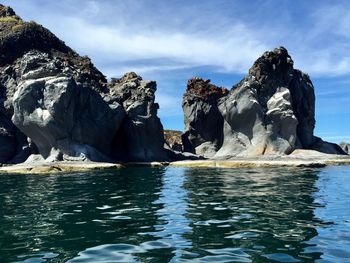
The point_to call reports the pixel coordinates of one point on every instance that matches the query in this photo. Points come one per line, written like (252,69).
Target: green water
(177,215)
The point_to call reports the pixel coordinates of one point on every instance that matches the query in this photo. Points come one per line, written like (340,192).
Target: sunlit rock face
(60,115)
(270,112)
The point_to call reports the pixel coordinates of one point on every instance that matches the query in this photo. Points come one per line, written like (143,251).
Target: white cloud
(233,51)
(191,35)
(333,19)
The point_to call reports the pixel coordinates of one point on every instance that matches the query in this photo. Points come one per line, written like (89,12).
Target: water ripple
(177,215)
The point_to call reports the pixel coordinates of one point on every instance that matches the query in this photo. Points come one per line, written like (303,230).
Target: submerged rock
(270,112)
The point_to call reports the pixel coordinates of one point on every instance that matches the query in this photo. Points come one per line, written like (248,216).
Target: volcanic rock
(203,122)
(56,103)
(59,114)
(141,135)
(270,112)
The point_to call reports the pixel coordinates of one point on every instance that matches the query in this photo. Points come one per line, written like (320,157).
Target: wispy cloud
(187,34)
(230,51)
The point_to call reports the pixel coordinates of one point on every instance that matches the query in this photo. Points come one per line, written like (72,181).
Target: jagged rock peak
(18,37)
(142,128)
(204,89)
(127,77)
(6,11)
(130,88)
(274,66)
(130,76)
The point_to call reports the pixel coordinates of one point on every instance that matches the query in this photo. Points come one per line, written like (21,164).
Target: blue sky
(172,41)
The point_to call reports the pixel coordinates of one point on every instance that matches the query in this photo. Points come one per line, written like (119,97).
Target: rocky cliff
(55,103)
(270,112)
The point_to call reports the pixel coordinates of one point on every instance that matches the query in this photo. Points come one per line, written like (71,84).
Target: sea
(167,214)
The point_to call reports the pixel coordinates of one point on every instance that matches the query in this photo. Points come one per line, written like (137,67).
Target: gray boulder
(141,135)
(60,115)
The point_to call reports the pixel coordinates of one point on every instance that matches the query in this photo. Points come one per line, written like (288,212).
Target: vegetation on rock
(173,139)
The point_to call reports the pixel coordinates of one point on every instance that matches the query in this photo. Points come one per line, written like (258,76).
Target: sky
(173,41)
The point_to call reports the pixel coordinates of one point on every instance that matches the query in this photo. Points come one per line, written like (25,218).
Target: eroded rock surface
(141,135)
(203,122)
(270,112)
(55,103)
(173,139)
(60,115)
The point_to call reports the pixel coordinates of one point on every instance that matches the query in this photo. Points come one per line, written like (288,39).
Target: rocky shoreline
(300,159)
(58,113)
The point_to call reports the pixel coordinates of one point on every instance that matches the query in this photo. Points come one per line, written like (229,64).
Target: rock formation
(56,103)
(270,112)
(345,146)
(59,114)
(203,121)
(141,135)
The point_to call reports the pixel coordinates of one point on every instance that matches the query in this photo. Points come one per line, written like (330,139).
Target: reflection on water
(177,215)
